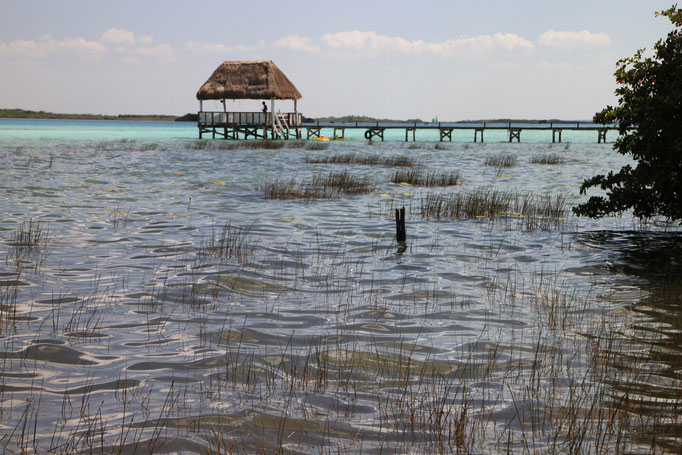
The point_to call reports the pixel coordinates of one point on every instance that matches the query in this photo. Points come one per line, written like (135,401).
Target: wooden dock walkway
(289,126)
(376,131)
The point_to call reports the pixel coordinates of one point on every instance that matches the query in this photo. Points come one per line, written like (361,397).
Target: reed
(368,160)
(537,212)
(317,146)
(501,160)
(422,178)
(550,159)
(264,144)
(30,234)
(333,185)
(231,242)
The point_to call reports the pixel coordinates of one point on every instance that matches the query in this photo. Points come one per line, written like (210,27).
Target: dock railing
(222,119)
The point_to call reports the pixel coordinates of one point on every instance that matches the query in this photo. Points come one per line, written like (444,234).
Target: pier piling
(400,232)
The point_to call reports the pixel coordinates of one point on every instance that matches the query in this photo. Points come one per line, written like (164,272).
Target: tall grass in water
(321,186)
(370,160)
(265,144)
(231,242)
(537,212)
(501,160)
(550,158)
(421,178)
(28,244)
(30,234)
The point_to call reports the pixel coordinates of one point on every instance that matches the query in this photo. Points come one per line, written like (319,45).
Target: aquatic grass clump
(321,186)
(421,178)
(316,146)
(501,160)
(266,144)
(27,244)
(30,234)
(231,242)
(369,160)
(550,158)
(536,212)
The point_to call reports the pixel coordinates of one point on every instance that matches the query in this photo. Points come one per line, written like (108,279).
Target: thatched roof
(248,80)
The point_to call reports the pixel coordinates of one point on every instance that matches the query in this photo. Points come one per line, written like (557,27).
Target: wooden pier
(257,125)
(245,125)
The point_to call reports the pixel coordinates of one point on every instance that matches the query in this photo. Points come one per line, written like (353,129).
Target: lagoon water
(125,330)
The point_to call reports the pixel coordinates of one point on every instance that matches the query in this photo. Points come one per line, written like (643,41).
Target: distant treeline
(24,113)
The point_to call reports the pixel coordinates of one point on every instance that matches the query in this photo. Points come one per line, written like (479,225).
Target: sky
(453,60)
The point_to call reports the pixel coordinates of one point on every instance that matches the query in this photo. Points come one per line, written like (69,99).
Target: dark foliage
(649,118)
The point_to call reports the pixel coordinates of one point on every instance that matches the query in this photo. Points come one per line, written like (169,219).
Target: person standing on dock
(265,108)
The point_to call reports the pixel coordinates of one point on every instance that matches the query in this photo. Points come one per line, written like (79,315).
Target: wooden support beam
(601,135)
(445,133)
(554,133)
(476,131)
(514,133)
(410,130)
(313,131)
(342,130)
(373,132)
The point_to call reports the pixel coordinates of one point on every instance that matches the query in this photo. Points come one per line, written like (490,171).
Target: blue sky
(452,59)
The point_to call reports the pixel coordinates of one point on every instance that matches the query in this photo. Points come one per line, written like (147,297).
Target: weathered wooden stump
(400,232)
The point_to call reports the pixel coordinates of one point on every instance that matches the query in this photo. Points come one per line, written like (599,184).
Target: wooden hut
(248,80)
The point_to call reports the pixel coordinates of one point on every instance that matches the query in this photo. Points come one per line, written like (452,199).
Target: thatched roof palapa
(255,80)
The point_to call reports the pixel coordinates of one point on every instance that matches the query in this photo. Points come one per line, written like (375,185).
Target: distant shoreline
(28,114)
(191,117)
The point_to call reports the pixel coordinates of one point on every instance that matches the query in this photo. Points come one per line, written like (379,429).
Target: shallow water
(319,333)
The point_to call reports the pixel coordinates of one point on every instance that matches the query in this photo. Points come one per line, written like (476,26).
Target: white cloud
(45,45)
(570,40)
(121,43)
(118,36)
(160,51)
(259,46)
(371,43)
(23,48)
(206,48)
(298,43)
(219,48)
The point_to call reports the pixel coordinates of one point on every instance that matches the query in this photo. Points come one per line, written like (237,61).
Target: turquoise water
(24,129)
(129,326)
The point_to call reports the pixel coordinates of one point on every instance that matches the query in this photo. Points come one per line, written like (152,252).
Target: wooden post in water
(400,232)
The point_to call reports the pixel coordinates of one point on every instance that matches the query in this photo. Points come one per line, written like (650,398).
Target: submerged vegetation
(426,178)
(231,242)
(28,244)
(366,159)
(548,158)
(501,160)
(268,144)
(333,185)
(535,212)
